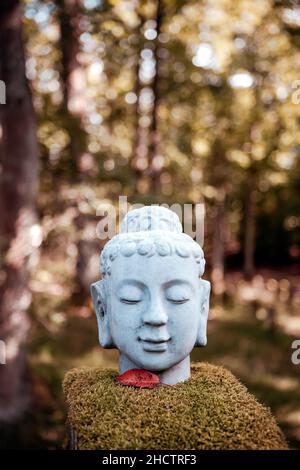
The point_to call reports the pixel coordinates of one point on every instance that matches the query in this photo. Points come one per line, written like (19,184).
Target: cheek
(184,321)
(124,318)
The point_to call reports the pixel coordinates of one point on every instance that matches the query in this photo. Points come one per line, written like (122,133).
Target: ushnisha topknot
(148,231)
(151,218)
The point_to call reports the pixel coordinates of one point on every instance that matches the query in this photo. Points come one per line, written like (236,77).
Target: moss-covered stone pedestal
(212,410)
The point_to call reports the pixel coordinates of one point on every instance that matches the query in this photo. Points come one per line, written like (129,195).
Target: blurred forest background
(164,101)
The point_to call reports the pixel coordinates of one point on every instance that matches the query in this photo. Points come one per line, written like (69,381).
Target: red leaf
(138,378)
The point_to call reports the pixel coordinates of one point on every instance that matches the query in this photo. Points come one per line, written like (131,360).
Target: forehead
(155,269)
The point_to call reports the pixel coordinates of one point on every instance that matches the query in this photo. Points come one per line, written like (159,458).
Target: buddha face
(156,309)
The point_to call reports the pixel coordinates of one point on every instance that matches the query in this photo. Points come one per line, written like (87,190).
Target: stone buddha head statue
(152,304)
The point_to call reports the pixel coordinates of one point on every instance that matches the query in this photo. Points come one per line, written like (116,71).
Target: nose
(155,316)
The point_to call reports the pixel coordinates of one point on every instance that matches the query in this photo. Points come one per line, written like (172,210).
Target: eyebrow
(131,282)
(174,282)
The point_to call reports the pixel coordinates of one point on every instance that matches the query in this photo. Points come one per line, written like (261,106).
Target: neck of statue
(177,373)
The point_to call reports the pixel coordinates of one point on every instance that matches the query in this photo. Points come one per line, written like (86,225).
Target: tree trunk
(249,240)
(18,187)
(218,223)
(73,79)
(72,72)
(140,149)
(74,84)
(218,249)
(155,165)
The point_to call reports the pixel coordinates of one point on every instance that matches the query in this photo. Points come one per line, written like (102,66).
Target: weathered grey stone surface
(152,304)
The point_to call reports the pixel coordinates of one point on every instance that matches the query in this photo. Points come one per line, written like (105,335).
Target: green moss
(212,410)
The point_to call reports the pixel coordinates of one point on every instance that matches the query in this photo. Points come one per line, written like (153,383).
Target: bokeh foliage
(204,108)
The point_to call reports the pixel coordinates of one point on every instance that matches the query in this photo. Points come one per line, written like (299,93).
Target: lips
(155,344)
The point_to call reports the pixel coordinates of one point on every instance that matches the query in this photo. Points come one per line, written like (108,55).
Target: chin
(157,364)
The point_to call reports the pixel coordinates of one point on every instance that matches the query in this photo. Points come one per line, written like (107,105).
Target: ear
(99,296)
(204,307)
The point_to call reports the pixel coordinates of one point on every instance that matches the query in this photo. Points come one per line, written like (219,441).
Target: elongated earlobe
(204,309)
(99,296)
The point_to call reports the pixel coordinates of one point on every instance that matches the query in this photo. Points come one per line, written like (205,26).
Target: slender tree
(249,238)
(18,187)
(154,164)
(72,77)
(218,220)
(70,13)
(140,134)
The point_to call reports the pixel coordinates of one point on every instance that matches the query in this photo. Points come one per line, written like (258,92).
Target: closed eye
(178,301)
(129,301)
